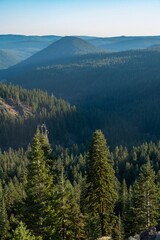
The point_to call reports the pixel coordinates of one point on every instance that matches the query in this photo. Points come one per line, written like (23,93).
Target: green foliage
(39,190)
(22,110)
(13,164)
(145,203)
(124,195)
(101,190)
(127,162)
(22,233)
(4,223)
(69,219)
(62,194)
(118,231)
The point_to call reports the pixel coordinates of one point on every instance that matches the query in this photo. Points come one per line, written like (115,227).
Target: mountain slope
(66,47)
(21,111)
(10,57)
(14,110)
(20,47)
(117,91)
(96,74)
(16,48)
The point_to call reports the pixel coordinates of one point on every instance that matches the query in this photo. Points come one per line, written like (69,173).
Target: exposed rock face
(13,109)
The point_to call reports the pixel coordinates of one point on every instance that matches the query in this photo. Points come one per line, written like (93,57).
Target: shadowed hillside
(116,92)
(21,111)
(60,50)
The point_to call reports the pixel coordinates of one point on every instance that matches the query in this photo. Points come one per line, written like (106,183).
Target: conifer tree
(46,147)
(4,223)
(118,233)
(69,220)
(124,196)
(101,190)
(39,191)
(145,202)
(124,200)
(127,219)
(22,233)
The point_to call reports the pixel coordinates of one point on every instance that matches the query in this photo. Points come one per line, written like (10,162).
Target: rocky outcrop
(152,233)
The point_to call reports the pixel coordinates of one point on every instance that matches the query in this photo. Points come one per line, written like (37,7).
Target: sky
(80,17)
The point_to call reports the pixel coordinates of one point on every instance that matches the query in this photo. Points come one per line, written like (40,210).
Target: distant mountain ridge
(120,43)
(12,41)
(25,46)
(125,43)
(66,47)
(16,48)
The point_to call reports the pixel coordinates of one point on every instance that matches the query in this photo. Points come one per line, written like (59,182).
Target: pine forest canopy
(61,195)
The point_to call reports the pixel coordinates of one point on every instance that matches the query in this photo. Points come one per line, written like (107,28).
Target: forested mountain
(116,92)
(24,46)
(22,110)
(59,51)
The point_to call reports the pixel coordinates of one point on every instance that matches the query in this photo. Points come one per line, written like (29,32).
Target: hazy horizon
(101,18)
(96,36)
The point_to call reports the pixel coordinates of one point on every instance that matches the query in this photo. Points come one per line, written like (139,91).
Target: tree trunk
(102,222)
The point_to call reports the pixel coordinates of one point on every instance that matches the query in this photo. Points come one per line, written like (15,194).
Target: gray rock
(136,237)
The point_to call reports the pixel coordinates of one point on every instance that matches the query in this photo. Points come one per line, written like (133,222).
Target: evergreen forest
(80,146)
(52,192)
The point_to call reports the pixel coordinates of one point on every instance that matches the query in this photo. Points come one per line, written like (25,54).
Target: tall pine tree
(101,191)
(69,220)
(39,190)
(145,202)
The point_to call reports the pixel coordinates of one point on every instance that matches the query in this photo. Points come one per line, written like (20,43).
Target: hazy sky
(80,17)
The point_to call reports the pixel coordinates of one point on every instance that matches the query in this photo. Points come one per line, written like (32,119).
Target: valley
(117,92)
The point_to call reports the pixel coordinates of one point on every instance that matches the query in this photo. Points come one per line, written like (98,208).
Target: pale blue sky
(80,17)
